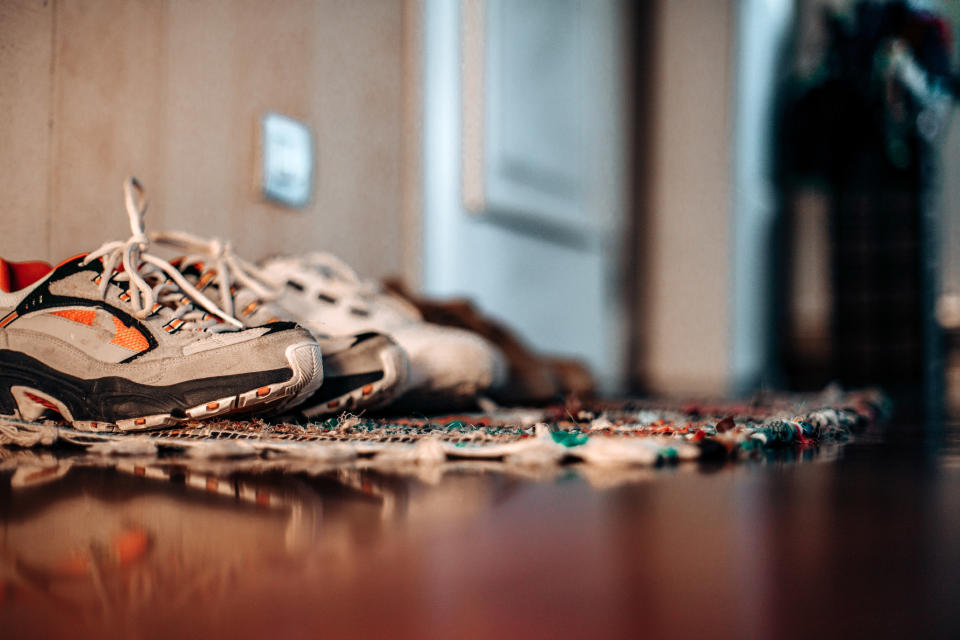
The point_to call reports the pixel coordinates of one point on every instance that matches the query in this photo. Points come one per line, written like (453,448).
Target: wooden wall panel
(279,75)
(173,92)
(336,66)
(686,339)
(26,28)
(108,117)
(204,156)
(360,102)
(411,164)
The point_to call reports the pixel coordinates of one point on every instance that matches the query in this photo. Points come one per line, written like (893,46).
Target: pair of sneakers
(122,339)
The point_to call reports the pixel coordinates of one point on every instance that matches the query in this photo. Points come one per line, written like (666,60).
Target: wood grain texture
(26,28)
(173,92)
(108,116)
(686,340)
(412,163)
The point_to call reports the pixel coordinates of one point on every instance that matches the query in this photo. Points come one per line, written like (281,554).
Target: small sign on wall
(287,163)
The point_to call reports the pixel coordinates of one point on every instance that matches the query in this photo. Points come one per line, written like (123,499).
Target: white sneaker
(447,365)
(364,370)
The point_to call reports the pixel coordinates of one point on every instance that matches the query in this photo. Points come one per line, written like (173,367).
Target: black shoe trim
(115,398)
(41,298)
(277,327)
(336,386)
(358,356)
(363,337)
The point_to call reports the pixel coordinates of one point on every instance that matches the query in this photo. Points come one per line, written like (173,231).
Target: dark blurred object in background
(861,132)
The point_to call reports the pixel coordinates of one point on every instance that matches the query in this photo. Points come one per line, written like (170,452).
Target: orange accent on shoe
(250,308)
(128,337)
(262,391)
(82,316)
(211,406)
(140,421)
(333,404)
(17,275)
(212,484)
(205,279)
(8,319)
(367,390)
(263,498)
(42,402)
(130,545)
(140,471)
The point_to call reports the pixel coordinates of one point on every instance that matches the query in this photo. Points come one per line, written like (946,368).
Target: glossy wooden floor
(860,542)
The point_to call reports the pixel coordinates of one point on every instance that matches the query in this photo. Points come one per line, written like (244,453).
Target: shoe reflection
(154,546)
(104,544)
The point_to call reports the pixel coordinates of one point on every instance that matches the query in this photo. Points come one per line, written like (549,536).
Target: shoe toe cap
(445,359)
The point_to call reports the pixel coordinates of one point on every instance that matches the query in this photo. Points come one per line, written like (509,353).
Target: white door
(524,169)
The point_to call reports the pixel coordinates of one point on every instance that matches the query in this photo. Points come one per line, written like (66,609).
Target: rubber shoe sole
(371,394)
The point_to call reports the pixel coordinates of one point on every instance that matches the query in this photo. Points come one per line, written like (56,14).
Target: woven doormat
(628,432)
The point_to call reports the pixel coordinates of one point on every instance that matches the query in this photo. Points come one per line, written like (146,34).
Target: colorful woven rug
(631,432)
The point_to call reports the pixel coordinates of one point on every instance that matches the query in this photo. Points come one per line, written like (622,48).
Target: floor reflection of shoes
(97,549)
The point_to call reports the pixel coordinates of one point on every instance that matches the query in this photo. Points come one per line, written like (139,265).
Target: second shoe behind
(449,367)
(362,370)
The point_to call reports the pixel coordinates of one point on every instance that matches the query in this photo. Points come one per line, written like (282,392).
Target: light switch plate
(287,169)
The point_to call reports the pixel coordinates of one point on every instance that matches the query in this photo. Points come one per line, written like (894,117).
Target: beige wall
(685,262)
(173,92)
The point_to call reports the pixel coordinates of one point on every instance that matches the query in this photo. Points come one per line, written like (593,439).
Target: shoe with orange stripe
(118,339)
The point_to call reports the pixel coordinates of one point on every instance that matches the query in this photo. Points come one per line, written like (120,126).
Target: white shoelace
(229,268)
(227,265)
(144,297)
